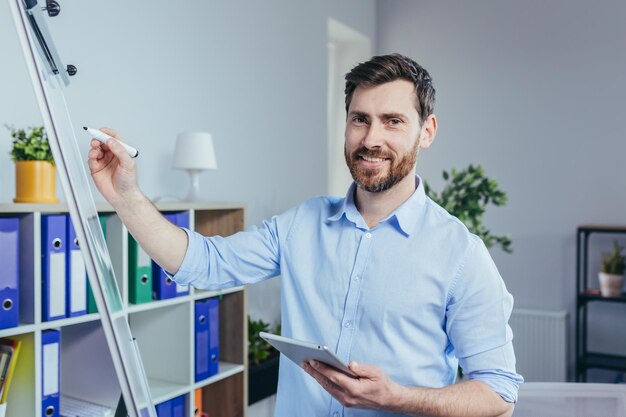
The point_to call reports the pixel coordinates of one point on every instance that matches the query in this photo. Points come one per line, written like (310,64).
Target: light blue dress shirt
(417,295)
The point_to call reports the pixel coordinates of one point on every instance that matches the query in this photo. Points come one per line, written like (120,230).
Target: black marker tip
(85,127)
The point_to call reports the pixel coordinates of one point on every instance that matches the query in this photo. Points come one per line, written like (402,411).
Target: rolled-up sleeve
(477,315)
(494,369)
(220,262)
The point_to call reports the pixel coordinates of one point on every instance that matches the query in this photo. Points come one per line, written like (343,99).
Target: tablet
(298,351)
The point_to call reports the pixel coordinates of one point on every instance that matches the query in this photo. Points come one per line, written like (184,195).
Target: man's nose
(374,137)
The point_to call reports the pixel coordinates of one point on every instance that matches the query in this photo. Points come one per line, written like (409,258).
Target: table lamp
(194,153)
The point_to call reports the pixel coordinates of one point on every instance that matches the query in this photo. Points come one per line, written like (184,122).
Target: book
(4,367)
(12,349)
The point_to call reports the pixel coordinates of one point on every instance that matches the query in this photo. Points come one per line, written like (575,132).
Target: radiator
(540,342)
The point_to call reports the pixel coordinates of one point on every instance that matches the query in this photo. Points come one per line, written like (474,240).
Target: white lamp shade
(194,150)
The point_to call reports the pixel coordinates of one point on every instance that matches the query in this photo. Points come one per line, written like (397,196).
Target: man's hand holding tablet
(353,385)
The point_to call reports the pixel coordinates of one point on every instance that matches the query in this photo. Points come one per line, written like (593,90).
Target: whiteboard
(49,78)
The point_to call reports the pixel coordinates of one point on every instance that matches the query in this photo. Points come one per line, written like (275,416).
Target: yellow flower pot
(35,182)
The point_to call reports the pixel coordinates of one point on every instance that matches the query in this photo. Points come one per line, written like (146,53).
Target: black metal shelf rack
(585,359)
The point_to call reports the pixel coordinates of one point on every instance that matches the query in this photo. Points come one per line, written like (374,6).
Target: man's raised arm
(114,174)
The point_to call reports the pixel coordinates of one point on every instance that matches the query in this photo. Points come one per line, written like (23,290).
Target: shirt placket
(348,323)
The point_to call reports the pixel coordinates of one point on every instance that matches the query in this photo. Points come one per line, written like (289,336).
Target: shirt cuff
(505,384)
(496,368)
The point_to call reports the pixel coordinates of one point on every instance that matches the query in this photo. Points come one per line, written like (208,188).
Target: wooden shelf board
(200,294)
(165,390)
(209,205)
(226,370)
(25,208)
(69,321)
(104,207)
(21,329)
(154,304)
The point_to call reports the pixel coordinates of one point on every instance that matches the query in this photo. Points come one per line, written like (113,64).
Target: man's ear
(428,131)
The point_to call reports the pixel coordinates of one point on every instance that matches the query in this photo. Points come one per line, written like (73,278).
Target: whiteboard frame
(123,347)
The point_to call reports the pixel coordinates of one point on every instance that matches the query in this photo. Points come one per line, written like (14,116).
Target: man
(398,287)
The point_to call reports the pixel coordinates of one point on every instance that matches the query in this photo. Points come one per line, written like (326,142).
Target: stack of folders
(147,280)
(64,280)
(9,351)
(172,408)
(206,338)
(73,407)
(9,278)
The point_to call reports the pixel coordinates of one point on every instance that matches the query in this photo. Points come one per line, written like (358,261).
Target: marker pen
(103,137)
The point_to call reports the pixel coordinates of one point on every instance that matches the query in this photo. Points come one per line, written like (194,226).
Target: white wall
(252,73)
(346,47)
(534,91)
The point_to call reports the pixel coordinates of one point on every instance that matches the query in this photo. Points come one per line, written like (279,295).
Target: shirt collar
(348,208)
(405,216)
(408,214)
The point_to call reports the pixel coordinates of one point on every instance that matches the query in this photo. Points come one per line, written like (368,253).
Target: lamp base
(194,186)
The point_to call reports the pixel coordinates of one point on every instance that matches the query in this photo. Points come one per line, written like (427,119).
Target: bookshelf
(164,328)
(586,295)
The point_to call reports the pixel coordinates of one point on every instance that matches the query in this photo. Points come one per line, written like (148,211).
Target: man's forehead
(396,88)
(393,97)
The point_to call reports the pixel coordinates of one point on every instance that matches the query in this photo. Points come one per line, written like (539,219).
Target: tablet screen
(299,351)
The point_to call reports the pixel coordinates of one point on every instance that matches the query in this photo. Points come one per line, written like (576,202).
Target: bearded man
(395,285)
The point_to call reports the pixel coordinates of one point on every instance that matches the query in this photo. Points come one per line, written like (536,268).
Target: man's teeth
(370,159)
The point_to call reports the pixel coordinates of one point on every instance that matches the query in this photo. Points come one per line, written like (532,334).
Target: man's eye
(394,122)
(358,119)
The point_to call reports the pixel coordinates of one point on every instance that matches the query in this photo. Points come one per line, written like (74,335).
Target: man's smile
(371,162)
(372,159)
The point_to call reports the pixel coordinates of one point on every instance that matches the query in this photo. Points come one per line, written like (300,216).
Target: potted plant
(466,195)
(263,362)
(35,173)
(611,274)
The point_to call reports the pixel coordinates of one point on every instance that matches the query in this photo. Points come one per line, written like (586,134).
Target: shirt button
(356,277)
(347,324)
(336,415)
(368,235)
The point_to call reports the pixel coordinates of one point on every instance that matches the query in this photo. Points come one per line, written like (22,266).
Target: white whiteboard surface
(49,78)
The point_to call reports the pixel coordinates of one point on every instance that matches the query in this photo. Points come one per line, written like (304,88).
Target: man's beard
(373,180)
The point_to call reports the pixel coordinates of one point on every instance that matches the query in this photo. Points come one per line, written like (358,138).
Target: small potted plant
(611,274)
(263,360)
(35,173)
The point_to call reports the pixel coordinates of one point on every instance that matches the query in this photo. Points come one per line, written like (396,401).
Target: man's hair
(386,68)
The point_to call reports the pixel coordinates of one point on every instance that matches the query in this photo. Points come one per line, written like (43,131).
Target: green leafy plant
(258,349)
(30,144)
(614,262)
(466,195)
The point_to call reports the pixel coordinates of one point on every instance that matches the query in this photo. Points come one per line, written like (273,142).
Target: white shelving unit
(164,329)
